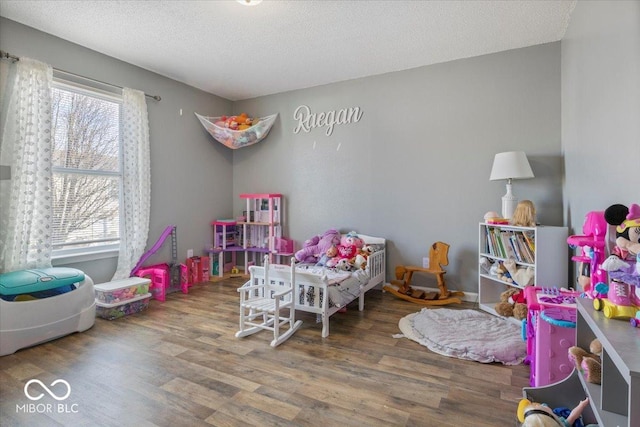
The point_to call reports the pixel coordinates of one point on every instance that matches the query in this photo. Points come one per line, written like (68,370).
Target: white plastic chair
(269,291)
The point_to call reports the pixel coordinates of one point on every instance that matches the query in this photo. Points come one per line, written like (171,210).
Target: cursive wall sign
(308,120)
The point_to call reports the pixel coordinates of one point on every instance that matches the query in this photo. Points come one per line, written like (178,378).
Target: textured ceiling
(241,52)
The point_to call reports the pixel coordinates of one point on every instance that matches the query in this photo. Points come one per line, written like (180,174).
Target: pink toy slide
(166,233)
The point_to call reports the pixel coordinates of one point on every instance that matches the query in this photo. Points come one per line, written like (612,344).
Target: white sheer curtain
(25,145)
(136,203)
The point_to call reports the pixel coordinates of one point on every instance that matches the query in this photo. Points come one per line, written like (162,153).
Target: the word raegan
(308,120)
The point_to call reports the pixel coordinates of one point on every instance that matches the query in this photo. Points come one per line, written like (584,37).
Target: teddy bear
(500,271)
(347,249)
(315,247)
(627,222)
(352,238)
(512,303)
(347,252)
(524,276)
(243,120)
(236,123)
(344,265)
(361,258)
(588,361)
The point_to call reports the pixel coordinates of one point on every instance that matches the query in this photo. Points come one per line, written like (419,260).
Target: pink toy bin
(283,245)
(547,340)
(555,333)
(159,277)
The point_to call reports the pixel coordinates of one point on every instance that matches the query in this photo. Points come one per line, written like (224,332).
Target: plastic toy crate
(121,309)
(555,334)
(549,340)
(121,290)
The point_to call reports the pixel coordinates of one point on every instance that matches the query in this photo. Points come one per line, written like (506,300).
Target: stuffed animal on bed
(314,248)
(361,258)
(348,249)
(344,265)
(343,252)
(352,238)
(327,256)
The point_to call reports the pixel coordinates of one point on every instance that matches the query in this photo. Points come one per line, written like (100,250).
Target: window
(87,169)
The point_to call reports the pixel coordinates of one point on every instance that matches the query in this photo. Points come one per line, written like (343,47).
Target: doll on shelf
(540,415)
(525,214)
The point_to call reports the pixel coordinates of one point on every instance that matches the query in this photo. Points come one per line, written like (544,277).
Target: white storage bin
(121,290)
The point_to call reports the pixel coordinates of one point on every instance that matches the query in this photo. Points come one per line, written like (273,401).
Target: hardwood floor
(179,364)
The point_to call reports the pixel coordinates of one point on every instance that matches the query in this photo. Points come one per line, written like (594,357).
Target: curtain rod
(7,55)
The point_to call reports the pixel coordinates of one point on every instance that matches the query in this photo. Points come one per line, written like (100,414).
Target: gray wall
(601,108)
(190,176)
(415,169)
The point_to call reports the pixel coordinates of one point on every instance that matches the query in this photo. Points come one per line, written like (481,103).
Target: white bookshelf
(549,258)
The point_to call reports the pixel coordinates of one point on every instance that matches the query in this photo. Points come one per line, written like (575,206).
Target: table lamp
(510,165)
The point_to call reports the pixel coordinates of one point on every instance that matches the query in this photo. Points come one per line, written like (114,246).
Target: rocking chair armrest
(249,288)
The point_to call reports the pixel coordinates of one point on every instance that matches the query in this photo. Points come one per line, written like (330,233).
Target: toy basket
(238,138)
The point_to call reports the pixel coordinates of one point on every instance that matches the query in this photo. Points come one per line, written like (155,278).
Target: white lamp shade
(511,165)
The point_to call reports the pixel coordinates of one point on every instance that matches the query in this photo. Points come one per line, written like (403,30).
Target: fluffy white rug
(466,334)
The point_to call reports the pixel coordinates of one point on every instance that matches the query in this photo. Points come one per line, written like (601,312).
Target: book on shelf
(526,249)
(513,241)
(505,237)
(489,244)
(501,252)
(516,244)
(530,238)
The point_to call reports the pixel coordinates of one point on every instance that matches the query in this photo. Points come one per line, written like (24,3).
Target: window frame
(111,250)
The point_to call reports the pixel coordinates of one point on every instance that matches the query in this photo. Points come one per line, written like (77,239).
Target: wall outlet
(425,262)
(189,253)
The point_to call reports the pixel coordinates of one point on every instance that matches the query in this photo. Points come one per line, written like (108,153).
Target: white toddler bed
(341,287)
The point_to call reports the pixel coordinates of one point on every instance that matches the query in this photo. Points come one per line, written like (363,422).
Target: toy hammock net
(238,138)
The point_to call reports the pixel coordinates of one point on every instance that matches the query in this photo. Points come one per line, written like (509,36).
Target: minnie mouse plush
(627,222)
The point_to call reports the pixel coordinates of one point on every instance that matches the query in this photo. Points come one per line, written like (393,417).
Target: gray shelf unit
(616,402)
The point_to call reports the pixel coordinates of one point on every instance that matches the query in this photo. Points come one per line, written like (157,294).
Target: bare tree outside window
(86,169)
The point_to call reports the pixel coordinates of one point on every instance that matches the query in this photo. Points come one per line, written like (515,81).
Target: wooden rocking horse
(438,257)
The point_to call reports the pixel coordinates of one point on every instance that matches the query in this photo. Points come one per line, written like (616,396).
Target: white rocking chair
(269,290)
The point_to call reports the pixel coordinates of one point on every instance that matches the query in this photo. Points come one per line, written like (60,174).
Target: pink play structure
(163,276)
(593,251)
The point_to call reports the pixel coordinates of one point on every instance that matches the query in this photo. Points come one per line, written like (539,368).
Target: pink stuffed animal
(347,251)
(317,246)
(352,238)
